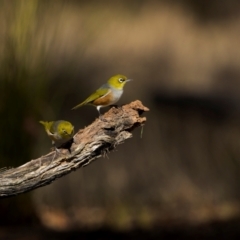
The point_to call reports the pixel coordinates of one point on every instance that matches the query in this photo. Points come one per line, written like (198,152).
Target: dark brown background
(181,179)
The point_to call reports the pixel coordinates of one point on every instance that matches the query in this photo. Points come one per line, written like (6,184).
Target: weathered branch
(90,143)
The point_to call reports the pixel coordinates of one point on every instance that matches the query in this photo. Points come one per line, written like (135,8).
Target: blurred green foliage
(22,90)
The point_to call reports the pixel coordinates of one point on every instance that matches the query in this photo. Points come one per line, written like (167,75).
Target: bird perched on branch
(59,132)
(108,94)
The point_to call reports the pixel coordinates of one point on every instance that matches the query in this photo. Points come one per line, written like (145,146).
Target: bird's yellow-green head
(65,129)
(118,81)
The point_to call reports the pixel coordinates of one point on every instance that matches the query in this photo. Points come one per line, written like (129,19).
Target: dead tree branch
(90,143)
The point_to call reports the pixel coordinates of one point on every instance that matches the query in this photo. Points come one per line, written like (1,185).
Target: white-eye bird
(108,94)
(59,132)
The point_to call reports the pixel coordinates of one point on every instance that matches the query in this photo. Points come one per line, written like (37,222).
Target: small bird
(59,132)
(108,94)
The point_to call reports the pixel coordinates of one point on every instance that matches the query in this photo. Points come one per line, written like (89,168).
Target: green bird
(108,94)
(59,132)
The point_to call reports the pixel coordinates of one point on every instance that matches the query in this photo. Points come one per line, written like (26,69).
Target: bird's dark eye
(121,80)
(64,130)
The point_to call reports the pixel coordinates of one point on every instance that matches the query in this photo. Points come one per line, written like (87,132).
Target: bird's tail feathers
(79,105)
(43,123)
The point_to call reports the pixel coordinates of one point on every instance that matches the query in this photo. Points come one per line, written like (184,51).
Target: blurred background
(181,179)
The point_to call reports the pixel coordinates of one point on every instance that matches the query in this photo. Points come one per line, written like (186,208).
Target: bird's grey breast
(116,93)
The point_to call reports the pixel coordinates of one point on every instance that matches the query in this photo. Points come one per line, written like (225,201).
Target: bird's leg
(100,115)
(98,109)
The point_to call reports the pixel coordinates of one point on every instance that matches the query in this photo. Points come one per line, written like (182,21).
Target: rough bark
(88,144)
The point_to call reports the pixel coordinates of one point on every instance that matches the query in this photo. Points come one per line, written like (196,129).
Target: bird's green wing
(98,94)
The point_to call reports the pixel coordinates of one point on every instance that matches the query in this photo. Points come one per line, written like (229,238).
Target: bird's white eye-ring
(121,80)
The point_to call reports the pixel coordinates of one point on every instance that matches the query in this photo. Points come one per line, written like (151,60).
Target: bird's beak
(128,80)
